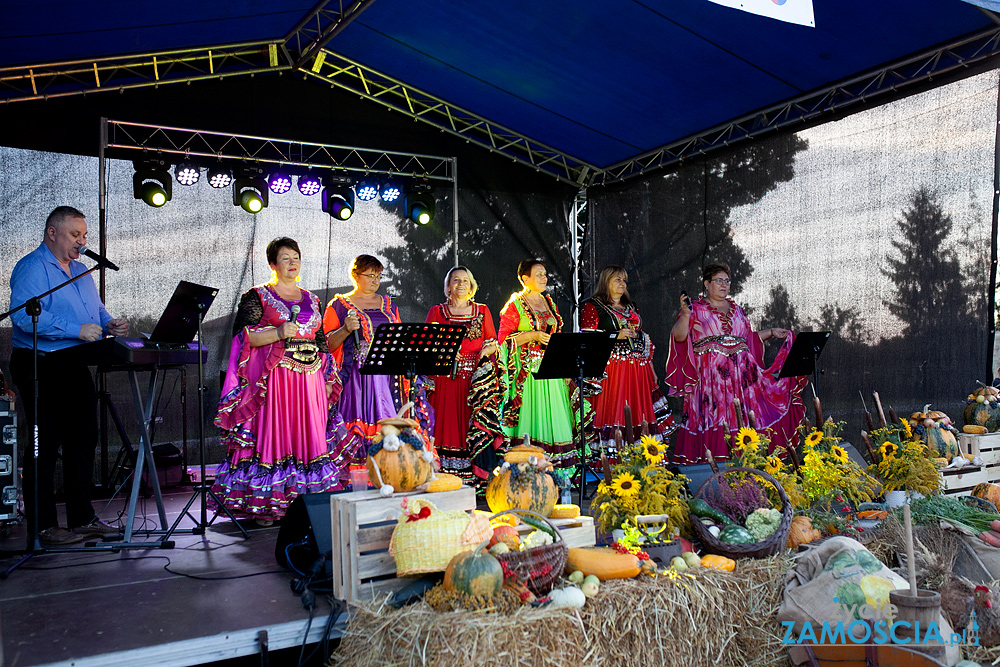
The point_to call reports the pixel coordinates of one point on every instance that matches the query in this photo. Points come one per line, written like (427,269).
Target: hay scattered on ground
(713,618)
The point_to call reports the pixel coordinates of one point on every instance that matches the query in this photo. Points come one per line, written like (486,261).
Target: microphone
(100,259)
(357,332)
(296,309)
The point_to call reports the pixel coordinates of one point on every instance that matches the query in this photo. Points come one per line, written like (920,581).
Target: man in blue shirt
(67,399)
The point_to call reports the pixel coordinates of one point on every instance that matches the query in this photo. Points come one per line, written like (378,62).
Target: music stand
(413,349)
(802,358)
(576,356)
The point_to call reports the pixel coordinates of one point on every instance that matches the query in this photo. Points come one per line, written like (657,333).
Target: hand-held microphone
(294,317)
(549,328)
(357,332)
(100,259)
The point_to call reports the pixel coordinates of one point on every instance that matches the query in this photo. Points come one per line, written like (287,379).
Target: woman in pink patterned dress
(274,410)
(716,357)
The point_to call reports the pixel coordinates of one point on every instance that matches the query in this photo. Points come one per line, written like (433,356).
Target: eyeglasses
(721,281)
(371,276)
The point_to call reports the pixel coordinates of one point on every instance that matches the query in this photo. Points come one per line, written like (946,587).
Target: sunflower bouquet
(749,449)
(904,461)
(640,484)
(828,472)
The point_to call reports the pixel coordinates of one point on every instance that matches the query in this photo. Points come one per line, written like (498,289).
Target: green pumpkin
(943,440)
(475,572)
(985,413)
(522,486)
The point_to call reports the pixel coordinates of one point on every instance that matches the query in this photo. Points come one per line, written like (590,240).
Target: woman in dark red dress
(466,433)
(630,377)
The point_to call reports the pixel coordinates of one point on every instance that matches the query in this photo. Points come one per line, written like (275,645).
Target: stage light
(390,192)
(220,177)
(338,201)
(151,181)
(187,173)
(420,203)
(250,190)
(279,182)
(367,189)
(310,185)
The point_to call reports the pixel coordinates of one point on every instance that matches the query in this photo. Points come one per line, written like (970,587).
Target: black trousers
(67,420)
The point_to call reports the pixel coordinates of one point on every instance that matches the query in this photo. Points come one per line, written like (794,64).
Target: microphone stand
(33,307)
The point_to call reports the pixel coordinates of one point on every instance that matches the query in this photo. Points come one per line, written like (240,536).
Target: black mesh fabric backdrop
(877,227)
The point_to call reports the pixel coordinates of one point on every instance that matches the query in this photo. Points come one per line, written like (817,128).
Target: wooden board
(576,532)
(961,481)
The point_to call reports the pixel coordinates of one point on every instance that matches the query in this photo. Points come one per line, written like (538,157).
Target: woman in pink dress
(630,377)
(466,435)
(274,410)
(716,357)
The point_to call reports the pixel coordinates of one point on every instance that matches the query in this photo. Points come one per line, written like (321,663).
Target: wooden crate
(961,481)
(576,532)
(362,524)
(987,446)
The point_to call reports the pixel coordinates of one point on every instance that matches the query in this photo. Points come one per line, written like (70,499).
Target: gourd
(736,535)
(444,482)
(983,409)
(700,508)
(506,535)
(475,572)
(523,486)
(399,459)
(936,430)
(802,532)
(571,597)
(716,562)
(603,562)
(990,492)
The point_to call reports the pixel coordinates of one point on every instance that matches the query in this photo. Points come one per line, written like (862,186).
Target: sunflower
(747,438)
(839,454)
(814,438)
(653,451)
(904,426)
(625,485)
(773,465)
(888,450)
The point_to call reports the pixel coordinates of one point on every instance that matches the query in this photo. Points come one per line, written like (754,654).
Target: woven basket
(772,545)
(535,559)
(427,545)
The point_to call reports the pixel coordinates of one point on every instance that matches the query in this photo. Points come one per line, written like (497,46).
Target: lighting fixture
(366,189)
(187,173)
(250,190)
(420,203)
(151,181)
(220,177)
(338,201)
(310,184)
(390,192)
(279,182)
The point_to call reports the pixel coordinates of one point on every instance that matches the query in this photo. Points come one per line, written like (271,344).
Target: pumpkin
(716,562)
(522,486)
(506,535)
(399,459)
(936,431)
(603,562)
(990,492)
(802,532)
(475,572)
(983,409)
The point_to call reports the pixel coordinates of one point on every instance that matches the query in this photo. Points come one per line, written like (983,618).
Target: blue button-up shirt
(63,312)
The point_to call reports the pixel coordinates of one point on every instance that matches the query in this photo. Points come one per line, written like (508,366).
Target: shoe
(264,523)
(97,528)
(58,537)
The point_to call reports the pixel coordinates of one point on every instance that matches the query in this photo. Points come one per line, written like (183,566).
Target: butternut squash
(603,562)
(716,562)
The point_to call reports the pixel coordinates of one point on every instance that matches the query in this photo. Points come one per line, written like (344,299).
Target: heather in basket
(641,484)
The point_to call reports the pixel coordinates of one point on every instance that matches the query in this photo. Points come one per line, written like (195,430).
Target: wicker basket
(532,560)
(427,545)
(772,545)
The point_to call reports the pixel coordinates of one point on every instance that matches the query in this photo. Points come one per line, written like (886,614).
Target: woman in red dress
(467,432)
(630,379)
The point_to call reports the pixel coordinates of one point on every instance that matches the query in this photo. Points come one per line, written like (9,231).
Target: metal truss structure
(303,50)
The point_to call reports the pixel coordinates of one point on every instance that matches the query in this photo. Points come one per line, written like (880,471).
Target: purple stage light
(310,185)
(279,183)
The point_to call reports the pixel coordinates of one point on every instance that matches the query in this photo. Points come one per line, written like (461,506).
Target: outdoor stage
(137,607)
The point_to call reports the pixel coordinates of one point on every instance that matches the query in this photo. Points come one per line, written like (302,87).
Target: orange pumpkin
(990,492)
(802,532)
(508,535)
(404,469)
(522,486)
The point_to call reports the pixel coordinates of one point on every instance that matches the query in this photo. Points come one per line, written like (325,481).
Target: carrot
(995,524)
(991,538)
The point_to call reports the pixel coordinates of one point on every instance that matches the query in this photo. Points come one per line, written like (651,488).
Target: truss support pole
(577,234)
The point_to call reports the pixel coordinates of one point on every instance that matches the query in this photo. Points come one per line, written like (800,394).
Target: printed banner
(791,11)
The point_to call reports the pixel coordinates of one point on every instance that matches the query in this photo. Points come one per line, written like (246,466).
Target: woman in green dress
(541,409)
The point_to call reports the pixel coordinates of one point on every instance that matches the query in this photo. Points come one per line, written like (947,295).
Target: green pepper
(699,507)
(735,534)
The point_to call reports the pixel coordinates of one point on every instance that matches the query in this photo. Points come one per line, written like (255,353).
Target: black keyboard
(127,351)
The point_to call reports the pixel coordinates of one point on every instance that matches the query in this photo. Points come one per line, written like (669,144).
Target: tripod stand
(576,356)
(203,491)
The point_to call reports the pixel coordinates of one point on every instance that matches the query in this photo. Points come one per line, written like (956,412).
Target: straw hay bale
(713,618)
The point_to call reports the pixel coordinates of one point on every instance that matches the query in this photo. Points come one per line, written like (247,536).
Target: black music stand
(803,357)
(413,349)
(576,356)
(182,318)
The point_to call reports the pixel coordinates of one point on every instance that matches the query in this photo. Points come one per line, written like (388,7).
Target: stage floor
(208,599)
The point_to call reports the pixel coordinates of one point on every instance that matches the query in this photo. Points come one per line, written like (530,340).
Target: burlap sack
(988,556)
